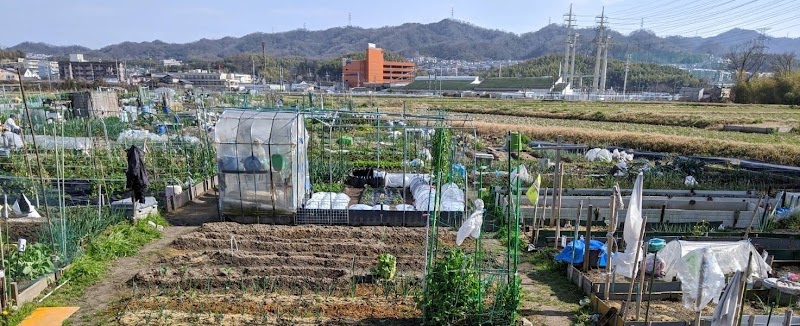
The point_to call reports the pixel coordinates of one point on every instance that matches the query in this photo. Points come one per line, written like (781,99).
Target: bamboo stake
(544,213)
(610,242)
(633,270)
(556,177)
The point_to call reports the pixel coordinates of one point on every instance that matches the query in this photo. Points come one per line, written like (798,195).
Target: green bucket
(278,164)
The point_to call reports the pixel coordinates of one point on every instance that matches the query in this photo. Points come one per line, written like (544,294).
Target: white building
(78,57)
(171,62)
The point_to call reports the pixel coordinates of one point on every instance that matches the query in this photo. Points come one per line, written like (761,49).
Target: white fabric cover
(452,198)
(397,180)
(404,207)
(732,256)
(360,207)
(625,263)
(328,200)
(520,173)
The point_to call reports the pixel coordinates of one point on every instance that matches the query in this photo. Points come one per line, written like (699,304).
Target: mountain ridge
(446,39)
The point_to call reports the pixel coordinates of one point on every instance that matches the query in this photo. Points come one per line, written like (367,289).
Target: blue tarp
(573,252)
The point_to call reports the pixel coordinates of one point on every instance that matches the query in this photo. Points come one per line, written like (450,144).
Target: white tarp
(452,198)
(598,154)
(732,256)
(626,263)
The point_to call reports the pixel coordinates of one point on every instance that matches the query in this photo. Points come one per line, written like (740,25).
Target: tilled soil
(229,273)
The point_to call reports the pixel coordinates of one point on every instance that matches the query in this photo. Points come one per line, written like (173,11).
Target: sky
(97,23)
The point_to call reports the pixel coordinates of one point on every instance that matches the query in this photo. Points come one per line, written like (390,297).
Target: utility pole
(599,41)
(572,64)
(569,20)
(264,55)
(500,71)
(627,68)
(606,45)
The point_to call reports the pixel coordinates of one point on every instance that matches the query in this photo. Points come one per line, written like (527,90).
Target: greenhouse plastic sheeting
(328,200)
(732,256)
(625,263)
(423,193)
(688,270)
(262,162)
(397,180)
(51,143)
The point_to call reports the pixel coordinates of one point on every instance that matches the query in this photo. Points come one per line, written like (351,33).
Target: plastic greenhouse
(262,164)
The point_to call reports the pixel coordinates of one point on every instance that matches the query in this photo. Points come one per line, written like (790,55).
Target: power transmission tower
(349,19)
(452,12)
(569,20)
(603,75)
(599,41)
(571,80)
(627,68)
(641,25)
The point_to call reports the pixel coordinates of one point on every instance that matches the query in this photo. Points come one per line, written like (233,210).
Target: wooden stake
(633,270)
(642,269)
(587,238)
(787,318)
(558,204)
(575,236)
(610,243)
(755,213)
(556,178)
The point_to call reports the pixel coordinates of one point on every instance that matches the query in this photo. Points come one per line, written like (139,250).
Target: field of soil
(228,273)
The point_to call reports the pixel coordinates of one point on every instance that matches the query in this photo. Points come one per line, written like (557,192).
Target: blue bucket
(162,129)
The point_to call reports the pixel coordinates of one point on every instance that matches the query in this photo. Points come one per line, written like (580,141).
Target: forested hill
(642,76)
(447,39)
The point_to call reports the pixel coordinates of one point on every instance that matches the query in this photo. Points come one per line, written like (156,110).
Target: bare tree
(747,57)
(783,63)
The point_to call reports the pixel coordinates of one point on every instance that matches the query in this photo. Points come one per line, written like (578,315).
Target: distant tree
(746,57)
(783,64)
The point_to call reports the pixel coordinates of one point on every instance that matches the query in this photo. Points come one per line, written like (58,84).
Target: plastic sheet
(697,295)
(626,263)
(360,207)
(328,200)
(598,155)
(574,251)
(472,226)
(727,310)
(404,207)
(397,180)
(732,256)
(522,174)
(452,198)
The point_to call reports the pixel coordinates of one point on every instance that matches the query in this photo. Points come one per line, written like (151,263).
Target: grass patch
(120,240)
(551,290)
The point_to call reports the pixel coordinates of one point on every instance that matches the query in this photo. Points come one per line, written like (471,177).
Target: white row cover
(731,256)
(328,200)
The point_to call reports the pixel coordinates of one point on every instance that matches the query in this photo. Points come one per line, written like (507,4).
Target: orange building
(373,71)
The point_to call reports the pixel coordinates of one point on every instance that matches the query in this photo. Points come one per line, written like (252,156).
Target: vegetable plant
(386,267)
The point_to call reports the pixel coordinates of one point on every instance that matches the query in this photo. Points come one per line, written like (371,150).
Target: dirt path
(546,301)
(98,296)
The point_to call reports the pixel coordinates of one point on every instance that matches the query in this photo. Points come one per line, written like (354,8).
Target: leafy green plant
(327,187)
(386,267)
(700,228)
(452,290)
(34,262)
(440,151)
